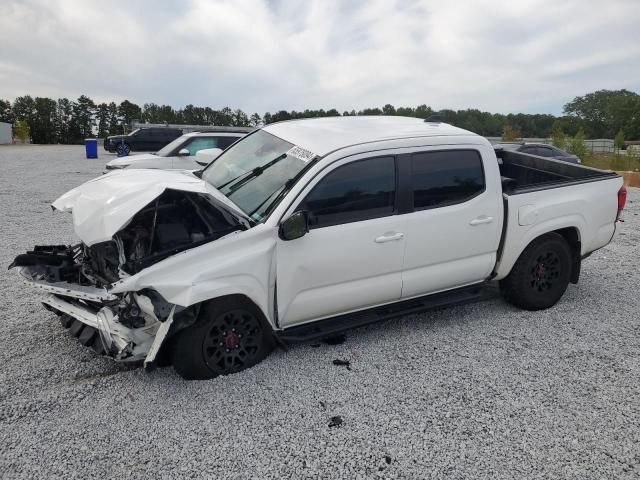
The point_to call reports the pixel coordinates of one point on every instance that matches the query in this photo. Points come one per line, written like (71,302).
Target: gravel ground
(478,391)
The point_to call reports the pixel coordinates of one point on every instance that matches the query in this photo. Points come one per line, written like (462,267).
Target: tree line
(600,114)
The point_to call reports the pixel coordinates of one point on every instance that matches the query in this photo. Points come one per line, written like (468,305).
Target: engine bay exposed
(173,222)
(78,277)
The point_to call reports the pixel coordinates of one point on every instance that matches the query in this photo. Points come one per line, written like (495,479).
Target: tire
(123,149)
(231,335)
(541,274)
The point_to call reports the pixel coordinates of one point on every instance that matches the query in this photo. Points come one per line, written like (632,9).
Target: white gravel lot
(478,391)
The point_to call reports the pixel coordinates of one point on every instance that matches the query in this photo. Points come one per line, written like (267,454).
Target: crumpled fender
(240,263)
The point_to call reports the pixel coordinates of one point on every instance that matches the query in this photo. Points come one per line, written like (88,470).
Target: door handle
(389,237)
(480,220)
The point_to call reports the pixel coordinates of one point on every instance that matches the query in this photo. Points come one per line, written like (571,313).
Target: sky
(268,55)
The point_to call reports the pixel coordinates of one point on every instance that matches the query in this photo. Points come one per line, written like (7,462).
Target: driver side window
(362,190)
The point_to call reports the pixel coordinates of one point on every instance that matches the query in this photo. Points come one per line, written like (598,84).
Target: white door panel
(447,275)
(336,269)
(452,245)
(445,250)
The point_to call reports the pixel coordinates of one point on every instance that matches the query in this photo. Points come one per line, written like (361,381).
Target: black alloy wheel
(230,335)
(232,342)
(545,270)
(123,149)
(541,274)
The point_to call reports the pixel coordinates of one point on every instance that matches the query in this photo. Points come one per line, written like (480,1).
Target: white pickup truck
(306,228)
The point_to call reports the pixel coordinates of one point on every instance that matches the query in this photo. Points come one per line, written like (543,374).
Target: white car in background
(181,153)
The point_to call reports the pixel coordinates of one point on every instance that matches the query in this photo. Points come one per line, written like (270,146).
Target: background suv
(141,140)
(540,149)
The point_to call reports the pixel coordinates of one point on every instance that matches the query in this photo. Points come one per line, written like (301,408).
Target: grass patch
(610,161)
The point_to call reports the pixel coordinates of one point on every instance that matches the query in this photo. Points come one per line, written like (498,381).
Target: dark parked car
(141,140)
(540,149)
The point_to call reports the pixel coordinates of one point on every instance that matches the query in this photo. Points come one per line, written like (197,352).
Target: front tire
(123,150)
(541,274)
(231,335)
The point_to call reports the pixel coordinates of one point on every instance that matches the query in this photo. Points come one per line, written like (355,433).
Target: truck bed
(522,172)
(545,195)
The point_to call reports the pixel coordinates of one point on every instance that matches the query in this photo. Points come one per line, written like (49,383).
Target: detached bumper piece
(101,328)
(127,327)
(86,334)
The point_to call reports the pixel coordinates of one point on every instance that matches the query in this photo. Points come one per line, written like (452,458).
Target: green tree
(64,118)
(557,136)
(604,112)
(102,118)
(24,108)
(370,111)
(193,115)
(43,126)
(21,130)
(577,145)
(618,142)
(83,118)
(6,112)
(511,133)
(225,117)
(277,117)
(255,120)
(240,119)
(150,113)
(128,112)
(388,109)
(423,111)
(114,127)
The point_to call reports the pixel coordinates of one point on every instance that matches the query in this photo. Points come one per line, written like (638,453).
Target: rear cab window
(441,178)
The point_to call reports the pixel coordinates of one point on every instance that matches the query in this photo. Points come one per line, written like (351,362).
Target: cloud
(260,55)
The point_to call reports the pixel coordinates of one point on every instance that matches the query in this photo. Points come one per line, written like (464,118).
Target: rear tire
(541,274)
(231,335)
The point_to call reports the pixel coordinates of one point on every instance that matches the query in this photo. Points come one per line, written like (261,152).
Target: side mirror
(295,226)
(183,152)
(207,155)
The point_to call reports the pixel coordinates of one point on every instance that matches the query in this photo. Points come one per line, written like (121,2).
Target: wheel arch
(572,236)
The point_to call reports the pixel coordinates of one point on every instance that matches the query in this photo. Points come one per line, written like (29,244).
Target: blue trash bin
(91,147)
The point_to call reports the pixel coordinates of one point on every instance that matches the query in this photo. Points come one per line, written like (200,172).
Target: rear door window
(441,178)
(529,150)
(201,143)
(362,190)
(545,152)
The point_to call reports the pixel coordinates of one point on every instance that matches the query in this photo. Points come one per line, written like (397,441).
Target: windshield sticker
(301,154)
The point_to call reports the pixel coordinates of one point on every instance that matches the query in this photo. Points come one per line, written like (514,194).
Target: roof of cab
(325,135)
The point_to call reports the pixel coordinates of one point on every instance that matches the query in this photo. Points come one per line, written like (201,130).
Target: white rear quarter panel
(590,207)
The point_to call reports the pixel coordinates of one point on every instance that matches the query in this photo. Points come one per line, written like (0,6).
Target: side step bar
(340,323)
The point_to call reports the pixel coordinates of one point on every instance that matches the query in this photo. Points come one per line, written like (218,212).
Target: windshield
(253,171)
(133,132)
(167,149)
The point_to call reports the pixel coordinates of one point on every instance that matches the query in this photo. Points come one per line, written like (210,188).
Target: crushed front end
(78,279)
(124,326)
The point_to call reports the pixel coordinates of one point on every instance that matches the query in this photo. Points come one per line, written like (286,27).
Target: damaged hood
(103,206)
